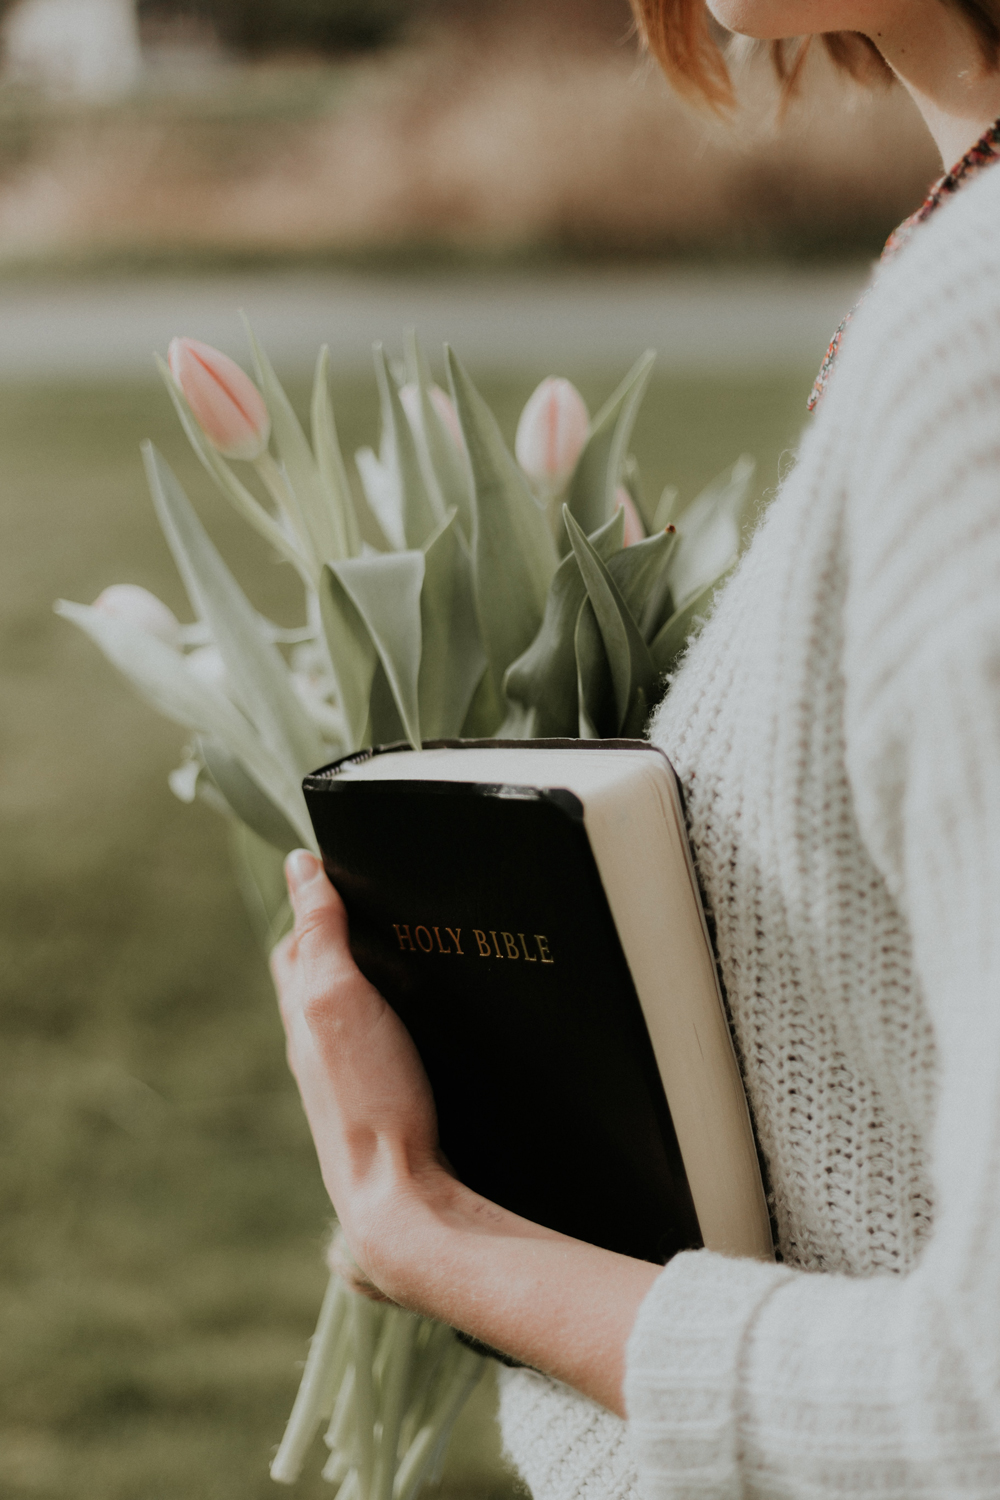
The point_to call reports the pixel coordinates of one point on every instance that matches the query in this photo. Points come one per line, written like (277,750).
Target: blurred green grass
(163,1216)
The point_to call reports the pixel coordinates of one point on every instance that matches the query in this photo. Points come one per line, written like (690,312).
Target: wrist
(434,1246)
(392,1209)
(429,1233)
(408,1228)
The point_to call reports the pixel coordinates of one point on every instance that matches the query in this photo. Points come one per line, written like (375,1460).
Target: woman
(837,728)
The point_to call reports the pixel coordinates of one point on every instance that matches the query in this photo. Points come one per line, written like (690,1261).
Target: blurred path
(697,320)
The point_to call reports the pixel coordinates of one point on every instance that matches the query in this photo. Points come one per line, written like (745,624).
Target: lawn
(163,1216)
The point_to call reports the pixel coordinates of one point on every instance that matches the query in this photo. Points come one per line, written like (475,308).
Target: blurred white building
(88,48)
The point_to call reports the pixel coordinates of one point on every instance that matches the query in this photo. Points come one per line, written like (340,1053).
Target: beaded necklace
(983,154)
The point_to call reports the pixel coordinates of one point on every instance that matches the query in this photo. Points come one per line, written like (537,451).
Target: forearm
(559,1305)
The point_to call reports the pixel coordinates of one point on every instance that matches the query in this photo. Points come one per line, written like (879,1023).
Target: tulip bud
(138,607)
(551,434)
(445,408)
(184,781)
(409,398)
(442,404)
(634,529)
(224,401)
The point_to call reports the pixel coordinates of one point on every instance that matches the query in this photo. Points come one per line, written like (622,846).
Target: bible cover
(478,912)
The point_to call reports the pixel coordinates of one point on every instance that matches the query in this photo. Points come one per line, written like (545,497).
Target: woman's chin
(764,20)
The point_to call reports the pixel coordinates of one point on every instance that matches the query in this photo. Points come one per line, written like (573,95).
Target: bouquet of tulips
(457,590)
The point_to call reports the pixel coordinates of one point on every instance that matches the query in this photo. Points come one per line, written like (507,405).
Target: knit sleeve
(563,1446)
(747,1380)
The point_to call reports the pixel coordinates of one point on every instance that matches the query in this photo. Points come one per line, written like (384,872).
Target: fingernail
(300,867)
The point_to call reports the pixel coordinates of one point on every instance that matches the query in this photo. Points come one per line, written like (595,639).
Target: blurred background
(508,174)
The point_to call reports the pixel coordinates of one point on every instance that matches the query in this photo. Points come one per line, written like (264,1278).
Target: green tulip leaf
(642,573)
(260,876)
(351,652)
(541,685)
(446,462)
(710,532)
(666,507)
(485,713)
(383,495)
(668,645)
(422,510)
(385,727)
(261,680)
(330,461)
(317,515)
(591,494)
(452,660)
(385,590)
(632,669)
(597,715)
(249,802)
(236,493)
(513,554)
(640,708)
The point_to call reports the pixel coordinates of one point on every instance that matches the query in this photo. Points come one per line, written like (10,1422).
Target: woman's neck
(937,57)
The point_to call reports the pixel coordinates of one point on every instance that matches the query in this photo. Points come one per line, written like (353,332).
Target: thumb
(318,910)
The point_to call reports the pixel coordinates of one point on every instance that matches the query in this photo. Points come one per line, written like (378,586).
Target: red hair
(679,34)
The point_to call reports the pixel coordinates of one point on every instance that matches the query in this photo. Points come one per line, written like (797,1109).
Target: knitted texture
(837,731)
(566,1444)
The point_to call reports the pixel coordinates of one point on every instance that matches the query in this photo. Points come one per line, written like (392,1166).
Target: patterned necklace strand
(983,154)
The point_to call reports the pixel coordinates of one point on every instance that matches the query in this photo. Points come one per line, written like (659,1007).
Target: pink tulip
(551,434)
(634,529)
(445,408)
(225,403)
(442,404)
(139,608)
(409,397)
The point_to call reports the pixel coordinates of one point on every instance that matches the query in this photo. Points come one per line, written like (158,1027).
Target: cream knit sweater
(837,729)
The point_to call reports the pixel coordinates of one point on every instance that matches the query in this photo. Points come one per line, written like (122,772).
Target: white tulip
(207,665)
(136,606)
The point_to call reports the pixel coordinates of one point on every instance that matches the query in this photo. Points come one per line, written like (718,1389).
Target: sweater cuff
(563,1446)
(684,1371)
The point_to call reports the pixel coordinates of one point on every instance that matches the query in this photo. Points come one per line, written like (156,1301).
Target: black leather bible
(530,910)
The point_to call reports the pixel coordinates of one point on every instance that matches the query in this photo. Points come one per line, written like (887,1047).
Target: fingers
(316,973)
(363,1086)
(318,910)
(320,933)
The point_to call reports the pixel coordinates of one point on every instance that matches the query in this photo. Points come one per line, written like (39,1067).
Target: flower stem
(284,497)
(317,1388)
(395,1381)
(363,1324)
(429,1443)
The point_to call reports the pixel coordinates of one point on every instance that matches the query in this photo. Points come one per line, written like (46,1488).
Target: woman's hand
(363,1087)
(422,1238)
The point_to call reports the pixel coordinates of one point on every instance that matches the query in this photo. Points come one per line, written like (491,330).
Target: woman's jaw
(771,20)
(929,45)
